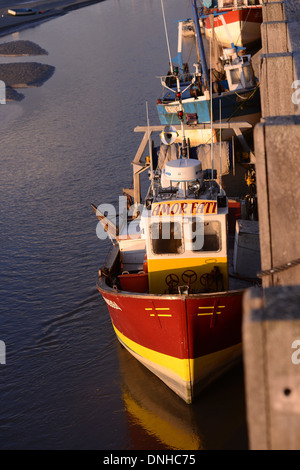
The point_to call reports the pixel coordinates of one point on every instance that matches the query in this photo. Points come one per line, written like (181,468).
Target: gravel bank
(21,48)
(25,74)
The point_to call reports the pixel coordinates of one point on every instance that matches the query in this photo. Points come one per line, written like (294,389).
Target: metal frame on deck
(139,167)
(238,4)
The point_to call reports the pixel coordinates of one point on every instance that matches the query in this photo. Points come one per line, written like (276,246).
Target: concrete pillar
(274,37)
(280,58)
(277,143)
(273,11)
(276,80)
(271,331)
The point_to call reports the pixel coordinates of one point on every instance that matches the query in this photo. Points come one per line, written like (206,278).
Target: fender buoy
(145,265)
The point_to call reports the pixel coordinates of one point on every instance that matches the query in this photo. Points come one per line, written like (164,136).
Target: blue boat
(229,94)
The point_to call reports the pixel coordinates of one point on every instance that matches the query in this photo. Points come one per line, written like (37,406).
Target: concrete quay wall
(271,325)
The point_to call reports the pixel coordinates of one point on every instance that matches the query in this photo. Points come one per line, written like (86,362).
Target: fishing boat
(173,281)
(227,92)
(233,21)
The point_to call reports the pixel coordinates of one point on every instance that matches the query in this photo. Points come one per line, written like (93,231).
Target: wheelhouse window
(212,237)
(231,3)
(248,74)
(166,238)
(235,76)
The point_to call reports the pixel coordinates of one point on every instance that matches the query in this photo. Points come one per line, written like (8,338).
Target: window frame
(182,247)
(183,238)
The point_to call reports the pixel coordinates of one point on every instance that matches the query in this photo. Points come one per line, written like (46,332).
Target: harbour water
(67,383)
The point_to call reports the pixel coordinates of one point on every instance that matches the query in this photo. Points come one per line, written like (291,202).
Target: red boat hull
(186,340)
(243,26)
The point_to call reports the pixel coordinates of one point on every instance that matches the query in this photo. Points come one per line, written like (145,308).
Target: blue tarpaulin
(210,3)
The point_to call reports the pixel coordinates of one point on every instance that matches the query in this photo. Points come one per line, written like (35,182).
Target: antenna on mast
(166,33)
(220,176)
(175,71)
(211,113)
(200,43)
(150,147)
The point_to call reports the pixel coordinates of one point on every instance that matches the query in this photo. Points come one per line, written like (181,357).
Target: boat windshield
(238,3)
(166,237)
(199,236)
(248,74)
(232,3)
(212,237)
(235,76)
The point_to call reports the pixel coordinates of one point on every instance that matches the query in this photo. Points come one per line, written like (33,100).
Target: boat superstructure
(168,283)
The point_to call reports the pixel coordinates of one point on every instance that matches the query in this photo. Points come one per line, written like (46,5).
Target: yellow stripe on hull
(172,365)
(186,377)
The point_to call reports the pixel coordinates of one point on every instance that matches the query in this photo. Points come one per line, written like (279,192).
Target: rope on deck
(283,267)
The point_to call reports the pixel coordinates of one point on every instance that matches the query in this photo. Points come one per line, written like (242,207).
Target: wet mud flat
(23,74)
(43,11)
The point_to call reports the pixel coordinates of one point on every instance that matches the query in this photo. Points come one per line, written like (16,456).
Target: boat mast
(176,72)
(150,150)
(200,44)
(167,38)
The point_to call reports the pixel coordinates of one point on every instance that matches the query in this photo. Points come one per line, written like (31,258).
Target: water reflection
(215,421)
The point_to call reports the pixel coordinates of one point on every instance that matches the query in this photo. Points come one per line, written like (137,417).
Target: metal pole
(200,42)
(211,113)
(166,32)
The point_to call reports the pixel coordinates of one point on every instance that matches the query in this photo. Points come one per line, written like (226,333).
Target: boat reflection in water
(159,420)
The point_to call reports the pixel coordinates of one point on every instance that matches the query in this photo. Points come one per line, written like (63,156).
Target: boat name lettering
(112,304)
(172,109)
(184,208)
